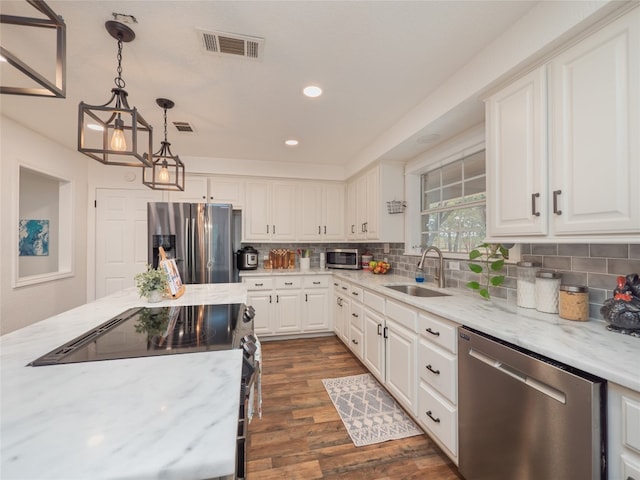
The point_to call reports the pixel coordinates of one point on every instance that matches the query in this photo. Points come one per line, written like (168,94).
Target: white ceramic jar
(547,290)
(526,284)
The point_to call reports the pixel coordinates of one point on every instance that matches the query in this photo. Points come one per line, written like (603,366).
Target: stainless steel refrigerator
(200,236)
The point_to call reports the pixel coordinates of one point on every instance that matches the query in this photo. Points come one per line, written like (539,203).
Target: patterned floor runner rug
(368,412)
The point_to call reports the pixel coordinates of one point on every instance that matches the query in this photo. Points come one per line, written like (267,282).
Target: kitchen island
(171,416)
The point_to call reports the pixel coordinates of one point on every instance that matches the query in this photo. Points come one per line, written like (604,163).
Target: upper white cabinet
(367,197)
(562,143)
(270,211)
(199,188)
(321,212)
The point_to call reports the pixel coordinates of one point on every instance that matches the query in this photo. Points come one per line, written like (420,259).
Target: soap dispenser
(419,274)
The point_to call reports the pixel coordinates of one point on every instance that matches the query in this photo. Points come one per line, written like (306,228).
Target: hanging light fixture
(114,133)
(167,170)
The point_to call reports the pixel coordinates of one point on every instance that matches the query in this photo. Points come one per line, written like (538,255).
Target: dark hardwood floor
(301,436)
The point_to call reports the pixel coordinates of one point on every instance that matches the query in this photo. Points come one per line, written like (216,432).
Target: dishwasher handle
(520,376)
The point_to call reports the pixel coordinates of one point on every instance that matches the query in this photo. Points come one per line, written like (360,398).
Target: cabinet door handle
(274,229)
(379,328)
(430,415)
(318,229)
(277,298)
(430,368)
(267,228)
(325,229)
(555,202)
(306,297)
(365,227)
(435,334)
(533,204)
(353,229)
(384,332)
(270,299)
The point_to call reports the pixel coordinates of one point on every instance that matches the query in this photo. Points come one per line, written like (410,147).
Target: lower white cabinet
(439,418)
(373,351)
(623,418)
(400,364)
(289,304)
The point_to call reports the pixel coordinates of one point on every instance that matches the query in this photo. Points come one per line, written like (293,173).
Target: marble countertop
(588,346)
(261,272)
(142,418)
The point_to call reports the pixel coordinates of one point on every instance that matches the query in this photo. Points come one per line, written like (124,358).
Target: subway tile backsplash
(594,265)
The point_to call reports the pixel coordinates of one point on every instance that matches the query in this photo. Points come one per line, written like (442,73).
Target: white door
(121,237)
(316,307)
(288,311)
(374,347)
(262,302)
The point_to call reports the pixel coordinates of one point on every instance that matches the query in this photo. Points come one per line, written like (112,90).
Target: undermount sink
(416,291)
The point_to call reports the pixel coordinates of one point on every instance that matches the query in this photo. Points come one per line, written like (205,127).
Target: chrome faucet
(439,276)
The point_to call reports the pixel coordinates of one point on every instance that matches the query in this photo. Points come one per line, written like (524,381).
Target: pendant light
(114,133)
(167,170)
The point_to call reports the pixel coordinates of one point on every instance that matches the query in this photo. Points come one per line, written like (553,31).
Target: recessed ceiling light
(291,143)
(312,91)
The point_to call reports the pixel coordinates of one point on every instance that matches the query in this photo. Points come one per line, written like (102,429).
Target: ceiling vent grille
(221,43)
(183,127)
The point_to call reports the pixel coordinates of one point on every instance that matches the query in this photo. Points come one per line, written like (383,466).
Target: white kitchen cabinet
(400,364)
(570,171)
(438,380)
(211,189)
(341,310)
(261,297)
(356,321)
(623,436)
(321,212)
(315,306)
(373,351)
(270,212)
(367,196)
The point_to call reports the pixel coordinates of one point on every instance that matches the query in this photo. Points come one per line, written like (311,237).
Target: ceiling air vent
(183,127)
(221,43)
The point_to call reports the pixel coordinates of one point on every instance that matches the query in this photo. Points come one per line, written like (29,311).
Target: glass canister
(547,290)
(573,303)
(526,284)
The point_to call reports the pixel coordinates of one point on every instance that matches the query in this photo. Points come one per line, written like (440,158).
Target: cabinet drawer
(316,281)
(438,368)
(373,301)
(355,341)
(631,423)
(357,315)
(438,417)
(438,331)
(356,293)
(287,281)
(405,316)
(258,283)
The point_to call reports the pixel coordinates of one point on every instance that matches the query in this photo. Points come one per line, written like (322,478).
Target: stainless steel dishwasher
(525,417)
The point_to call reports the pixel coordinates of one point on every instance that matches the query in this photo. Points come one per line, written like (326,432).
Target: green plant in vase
(487,261)
(152,283)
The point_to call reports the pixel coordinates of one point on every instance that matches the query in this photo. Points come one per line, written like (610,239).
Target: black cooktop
(150,331)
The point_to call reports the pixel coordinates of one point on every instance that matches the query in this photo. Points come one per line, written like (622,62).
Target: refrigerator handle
(188,253)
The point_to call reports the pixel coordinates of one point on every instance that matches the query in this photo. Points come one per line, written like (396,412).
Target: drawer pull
(354,293)
(335,284)
(436,334)
(354,315)
(317,283)
(430,368)
(354,341)
(437,420)
(288,283)
(344,288)
(259,284)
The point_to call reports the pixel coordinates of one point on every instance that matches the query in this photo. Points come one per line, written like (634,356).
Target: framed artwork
(34,238)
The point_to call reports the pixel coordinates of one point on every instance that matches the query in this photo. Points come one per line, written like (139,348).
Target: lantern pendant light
(167,170)
(114,133)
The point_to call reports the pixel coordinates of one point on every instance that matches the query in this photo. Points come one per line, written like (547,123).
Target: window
(453,208)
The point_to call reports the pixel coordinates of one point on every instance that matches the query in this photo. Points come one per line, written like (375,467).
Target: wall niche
(44,228)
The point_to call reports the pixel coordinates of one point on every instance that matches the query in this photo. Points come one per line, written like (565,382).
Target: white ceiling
(375,61)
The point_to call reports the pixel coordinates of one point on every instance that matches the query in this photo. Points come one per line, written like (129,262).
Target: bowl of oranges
(379,267)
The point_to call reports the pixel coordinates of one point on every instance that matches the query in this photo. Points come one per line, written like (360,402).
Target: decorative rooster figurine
(623,310)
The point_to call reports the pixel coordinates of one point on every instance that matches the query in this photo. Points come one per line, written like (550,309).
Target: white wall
(24,305)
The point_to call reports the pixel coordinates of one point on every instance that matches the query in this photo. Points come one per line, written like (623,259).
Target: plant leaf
(484,293)
(497,280)
(504,252)
(474,267)
(473,285)
(497,265)
(473,254)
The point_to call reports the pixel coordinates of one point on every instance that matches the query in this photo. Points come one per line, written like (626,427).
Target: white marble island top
(172,417)
(588,346)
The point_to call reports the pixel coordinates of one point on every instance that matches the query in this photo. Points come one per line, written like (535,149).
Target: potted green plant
(152,284)
(487,263)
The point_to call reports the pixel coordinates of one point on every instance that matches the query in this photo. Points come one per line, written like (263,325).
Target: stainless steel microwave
(348,258)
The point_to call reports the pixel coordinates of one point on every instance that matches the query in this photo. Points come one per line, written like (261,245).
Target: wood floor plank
(301,435)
